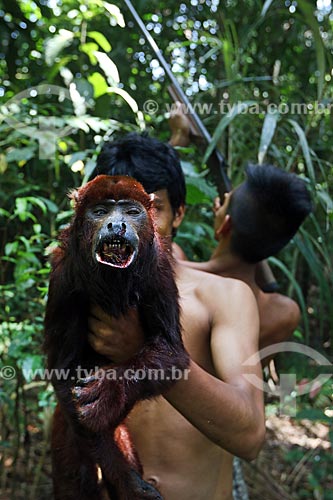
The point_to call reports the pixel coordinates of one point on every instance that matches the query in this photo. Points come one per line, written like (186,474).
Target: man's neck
(223,261)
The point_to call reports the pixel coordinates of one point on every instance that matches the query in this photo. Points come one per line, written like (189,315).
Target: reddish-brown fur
(88,423)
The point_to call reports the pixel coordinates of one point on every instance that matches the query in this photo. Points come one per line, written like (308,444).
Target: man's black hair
(266,211)
(153,163)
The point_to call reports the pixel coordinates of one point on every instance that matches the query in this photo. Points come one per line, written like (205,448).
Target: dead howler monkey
(110,255)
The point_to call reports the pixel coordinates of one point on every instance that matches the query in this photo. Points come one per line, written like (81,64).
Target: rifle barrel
(179,91)
(153,45)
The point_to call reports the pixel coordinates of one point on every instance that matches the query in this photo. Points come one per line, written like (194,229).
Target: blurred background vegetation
(75,72)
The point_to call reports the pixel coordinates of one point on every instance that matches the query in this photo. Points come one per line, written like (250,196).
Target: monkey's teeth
(110,246)
(116,252)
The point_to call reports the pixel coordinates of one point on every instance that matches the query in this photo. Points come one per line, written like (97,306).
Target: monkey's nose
(117,228)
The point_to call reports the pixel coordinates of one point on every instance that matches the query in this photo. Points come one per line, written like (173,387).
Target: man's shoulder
(284,309)
(196,276)
(212,287)
(279,318)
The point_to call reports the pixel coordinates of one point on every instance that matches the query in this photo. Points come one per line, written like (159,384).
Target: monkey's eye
(99,211)
(133,211)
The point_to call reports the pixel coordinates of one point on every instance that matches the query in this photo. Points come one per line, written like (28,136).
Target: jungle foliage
(74,73)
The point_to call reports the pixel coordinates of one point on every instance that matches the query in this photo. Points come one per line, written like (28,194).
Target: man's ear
(179,216)
(151,200)
(224,228)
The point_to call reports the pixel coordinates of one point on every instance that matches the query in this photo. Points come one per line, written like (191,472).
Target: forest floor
(284,470)
(293,462)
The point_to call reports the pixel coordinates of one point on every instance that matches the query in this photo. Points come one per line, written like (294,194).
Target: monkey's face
(117,229)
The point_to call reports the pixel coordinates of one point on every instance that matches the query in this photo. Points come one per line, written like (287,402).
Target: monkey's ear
(73,195)
(151,200)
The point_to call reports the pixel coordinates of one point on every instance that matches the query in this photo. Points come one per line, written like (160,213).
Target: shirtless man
(268,189)
(202,421)
(255,221)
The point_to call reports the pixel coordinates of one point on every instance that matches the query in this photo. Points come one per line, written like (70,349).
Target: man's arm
(279,317)
(179,126)
(229,410)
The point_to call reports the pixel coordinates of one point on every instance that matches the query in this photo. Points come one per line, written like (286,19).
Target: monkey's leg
(74,471)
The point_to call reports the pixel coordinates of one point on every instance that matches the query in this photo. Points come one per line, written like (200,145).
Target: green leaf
(108,66)
(194,195)
(305,148)
(79,155)
(4,213)
(235,110)
(78,123)
(308,11)
(67,75)
(99,83)
(30,365)
(38,202)
(57,66)
(63,217)
(265,8)
(100,39)
(321,248)
(207,190)
(313,414)
(88,168)
(21,154)
(298,335)
(56,44)
(21,206)
(189,168)
(96,124)
(125,95)
(267,134)
(90,49)
(3,164)
(85,88)
(11,248)
(79,102)
(319,272)
(115,13)
(326,199)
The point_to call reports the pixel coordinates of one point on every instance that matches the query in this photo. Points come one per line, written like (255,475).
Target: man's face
(166,219)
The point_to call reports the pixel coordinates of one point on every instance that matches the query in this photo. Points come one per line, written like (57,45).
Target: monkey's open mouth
(115,252)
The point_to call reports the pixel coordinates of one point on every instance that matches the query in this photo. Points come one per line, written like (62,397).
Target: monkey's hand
(101,401)
(104,399)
